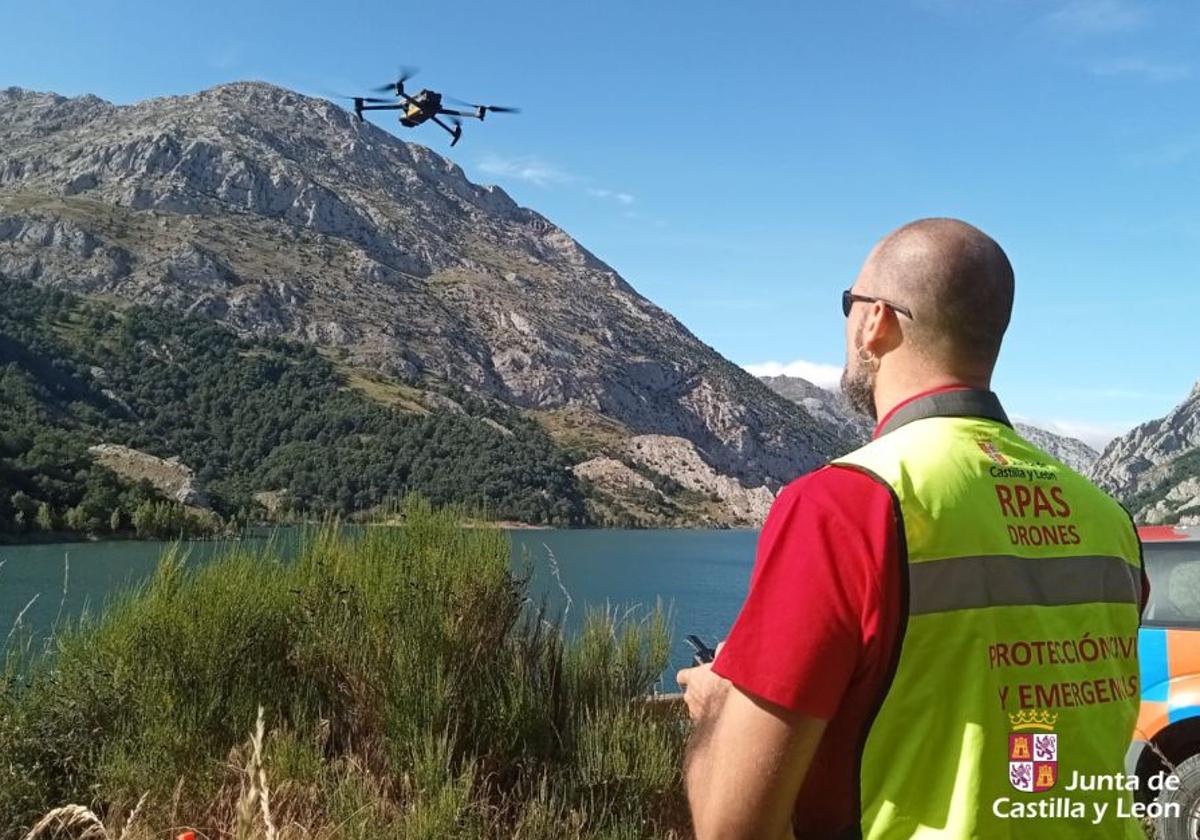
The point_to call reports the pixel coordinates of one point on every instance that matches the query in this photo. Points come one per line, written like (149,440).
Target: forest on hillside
(246,416)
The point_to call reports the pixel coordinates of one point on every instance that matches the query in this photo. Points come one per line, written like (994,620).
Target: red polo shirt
(819,625)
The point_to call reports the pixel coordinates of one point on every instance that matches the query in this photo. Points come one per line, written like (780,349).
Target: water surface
(701,575)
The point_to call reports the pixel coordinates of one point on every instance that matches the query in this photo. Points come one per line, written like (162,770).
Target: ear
(880,331)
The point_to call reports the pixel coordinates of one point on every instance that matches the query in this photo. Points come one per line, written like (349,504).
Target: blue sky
(735,162)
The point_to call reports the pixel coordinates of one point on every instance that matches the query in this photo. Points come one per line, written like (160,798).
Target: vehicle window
(1174,571)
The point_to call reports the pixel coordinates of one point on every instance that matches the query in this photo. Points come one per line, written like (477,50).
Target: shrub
(409,686)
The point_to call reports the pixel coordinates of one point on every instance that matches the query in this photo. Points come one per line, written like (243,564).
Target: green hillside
(245,416)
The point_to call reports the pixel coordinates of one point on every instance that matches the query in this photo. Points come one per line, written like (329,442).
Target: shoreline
(257,532)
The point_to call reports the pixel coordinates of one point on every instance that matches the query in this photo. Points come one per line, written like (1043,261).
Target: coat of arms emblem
(1033,751)
(992,451)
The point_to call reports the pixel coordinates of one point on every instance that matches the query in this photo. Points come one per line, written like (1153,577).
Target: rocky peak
(1071,451)
(826,405)
(1155,466)
(32,113)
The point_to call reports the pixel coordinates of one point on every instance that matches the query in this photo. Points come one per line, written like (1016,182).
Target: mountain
(1071,451)
(826,405)
(1155,468)
(832,408)
(280,215)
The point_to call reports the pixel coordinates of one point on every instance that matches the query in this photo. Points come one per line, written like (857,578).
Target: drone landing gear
(455,132)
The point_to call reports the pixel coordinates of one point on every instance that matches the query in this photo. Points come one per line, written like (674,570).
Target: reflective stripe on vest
(1016,667)
(1001,580)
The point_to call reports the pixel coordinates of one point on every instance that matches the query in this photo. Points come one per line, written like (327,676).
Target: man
(920,651)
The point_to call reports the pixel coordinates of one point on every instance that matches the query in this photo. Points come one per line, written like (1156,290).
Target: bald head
(958,284)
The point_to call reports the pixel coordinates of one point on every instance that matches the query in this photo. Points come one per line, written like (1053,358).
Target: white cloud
(616,195)
(529,169)
(1067,17)
(827,376)
(1154,71)
(538,172)
(1096,17)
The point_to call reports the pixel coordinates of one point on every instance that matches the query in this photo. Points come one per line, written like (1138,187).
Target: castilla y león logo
(1033,750)
(992,451)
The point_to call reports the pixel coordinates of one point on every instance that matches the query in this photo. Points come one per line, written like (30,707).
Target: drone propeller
(335,94)
(499,109)
(366,103)
(406,73)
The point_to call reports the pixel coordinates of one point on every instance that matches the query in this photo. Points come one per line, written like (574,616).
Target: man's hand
(703,690)
(746,759)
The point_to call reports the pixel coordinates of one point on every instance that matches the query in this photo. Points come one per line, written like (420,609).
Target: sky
(735,162)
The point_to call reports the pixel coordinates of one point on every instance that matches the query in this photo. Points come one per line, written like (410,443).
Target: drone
(424,106)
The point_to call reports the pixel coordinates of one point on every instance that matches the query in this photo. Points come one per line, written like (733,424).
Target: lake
(701,575)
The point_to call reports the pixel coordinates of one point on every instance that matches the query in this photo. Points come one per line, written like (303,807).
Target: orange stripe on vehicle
(1152,717)
(1183,653)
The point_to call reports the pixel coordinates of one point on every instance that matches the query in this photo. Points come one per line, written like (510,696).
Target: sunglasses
(849,299)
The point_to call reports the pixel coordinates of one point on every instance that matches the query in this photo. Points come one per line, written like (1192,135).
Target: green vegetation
(48,480)
(409,689)
(666,504)
(246,416)
(581,432)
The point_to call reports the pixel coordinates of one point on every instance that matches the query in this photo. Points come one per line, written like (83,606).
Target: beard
(858,382)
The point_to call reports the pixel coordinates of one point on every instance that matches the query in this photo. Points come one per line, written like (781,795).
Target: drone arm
(381,107)
(472,114)
(455,132)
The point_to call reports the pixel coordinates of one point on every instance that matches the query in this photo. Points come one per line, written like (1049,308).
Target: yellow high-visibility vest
(1015,673)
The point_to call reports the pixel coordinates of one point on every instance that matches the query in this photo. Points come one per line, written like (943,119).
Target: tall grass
(409,688)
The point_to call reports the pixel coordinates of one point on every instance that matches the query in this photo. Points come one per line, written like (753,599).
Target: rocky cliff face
(173,479)
(1156,466)
(280,214)
(828,406)
(1071,451)
(832,408)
